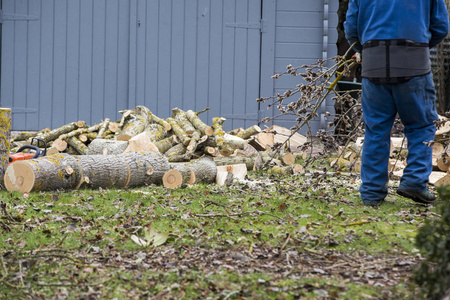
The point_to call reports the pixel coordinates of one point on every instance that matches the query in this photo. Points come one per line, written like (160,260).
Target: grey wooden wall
(65,60)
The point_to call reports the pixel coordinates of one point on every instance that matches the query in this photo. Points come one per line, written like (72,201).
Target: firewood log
(55,133)
(205,169)
(180,133)
(23,136)
(235,131)
(212,151)
(59,144)
(224,148)
(235,142)
(198,123)
(104,171)
(77,145)
(161,122)
(178,149)
(247,133)
(54,172)
(252,162)
(101,131)
(139,118)
(182,120)
(155,132)
(146,168)
(106,147)
(5,134)
(190,149)
(166,144)
(177,175)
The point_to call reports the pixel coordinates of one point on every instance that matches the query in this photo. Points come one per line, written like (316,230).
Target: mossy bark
(54,172)
(5,134)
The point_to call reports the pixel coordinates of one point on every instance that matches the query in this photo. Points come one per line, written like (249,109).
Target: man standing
(394,37)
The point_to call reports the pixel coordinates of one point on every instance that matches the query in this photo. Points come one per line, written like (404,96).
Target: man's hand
(357,57)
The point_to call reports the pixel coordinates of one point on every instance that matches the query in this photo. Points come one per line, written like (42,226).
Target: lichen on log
(179,132)
(161,122)
(247,133)
(178,149)
(198,123)
(146,168)
(5,147)
(166,144)
(54,172)
(155,132)
(55,133)
(106,147)
(103,127)
(103,171)
(78,145)
(224,148)
(182,120)
(139,118)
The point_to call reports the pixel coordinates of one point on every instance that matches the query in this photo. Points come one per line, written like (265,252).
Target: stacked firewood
(182,141)
(348,158)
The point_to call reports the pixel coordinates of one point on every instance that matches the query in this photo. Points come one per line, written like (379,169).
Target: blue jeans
(414,101)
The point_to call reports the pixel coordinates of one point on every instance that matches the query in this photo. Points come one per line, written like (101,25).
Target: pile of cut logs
(349,157)
(142,149)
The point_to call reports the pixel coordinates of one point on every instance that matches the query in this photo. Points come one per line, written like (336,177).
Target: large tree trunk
(146,168)
(106,147)
(104,171)
(59,171)
(5,133)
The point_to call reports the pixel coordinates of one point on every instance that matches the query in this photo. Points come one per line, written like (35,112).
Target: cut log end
(288,159)
(19,177)
(59,145)
(209,130)
(172,179)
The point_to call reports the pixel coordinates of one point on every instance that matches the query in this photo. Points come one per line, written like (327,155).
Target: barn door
(17,73)
(197,54)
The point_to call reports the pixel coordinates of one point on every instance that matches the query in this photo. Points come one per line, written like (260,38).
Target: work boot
(423,197)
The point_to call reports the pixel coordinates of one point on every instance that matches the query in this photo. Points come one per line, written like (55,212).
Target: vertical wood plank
(59,63)
(73,62)
(20,63)
(98,59)
(228,60)
(240,64)
(253,64)
(123,56)
(140,27)
(176,60)
(7,65)
(111,58)
(33,53)
(85,61)
(215,60)
(152,62)
(46,70)
(164,50)
(190,55)
(203,48)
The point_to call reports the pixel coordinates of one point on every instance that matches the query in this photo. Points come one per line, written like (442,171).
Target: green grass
(80,242)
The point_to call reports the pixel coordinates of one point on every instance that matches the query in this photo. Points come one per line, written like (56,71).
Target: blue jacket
(422,21)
